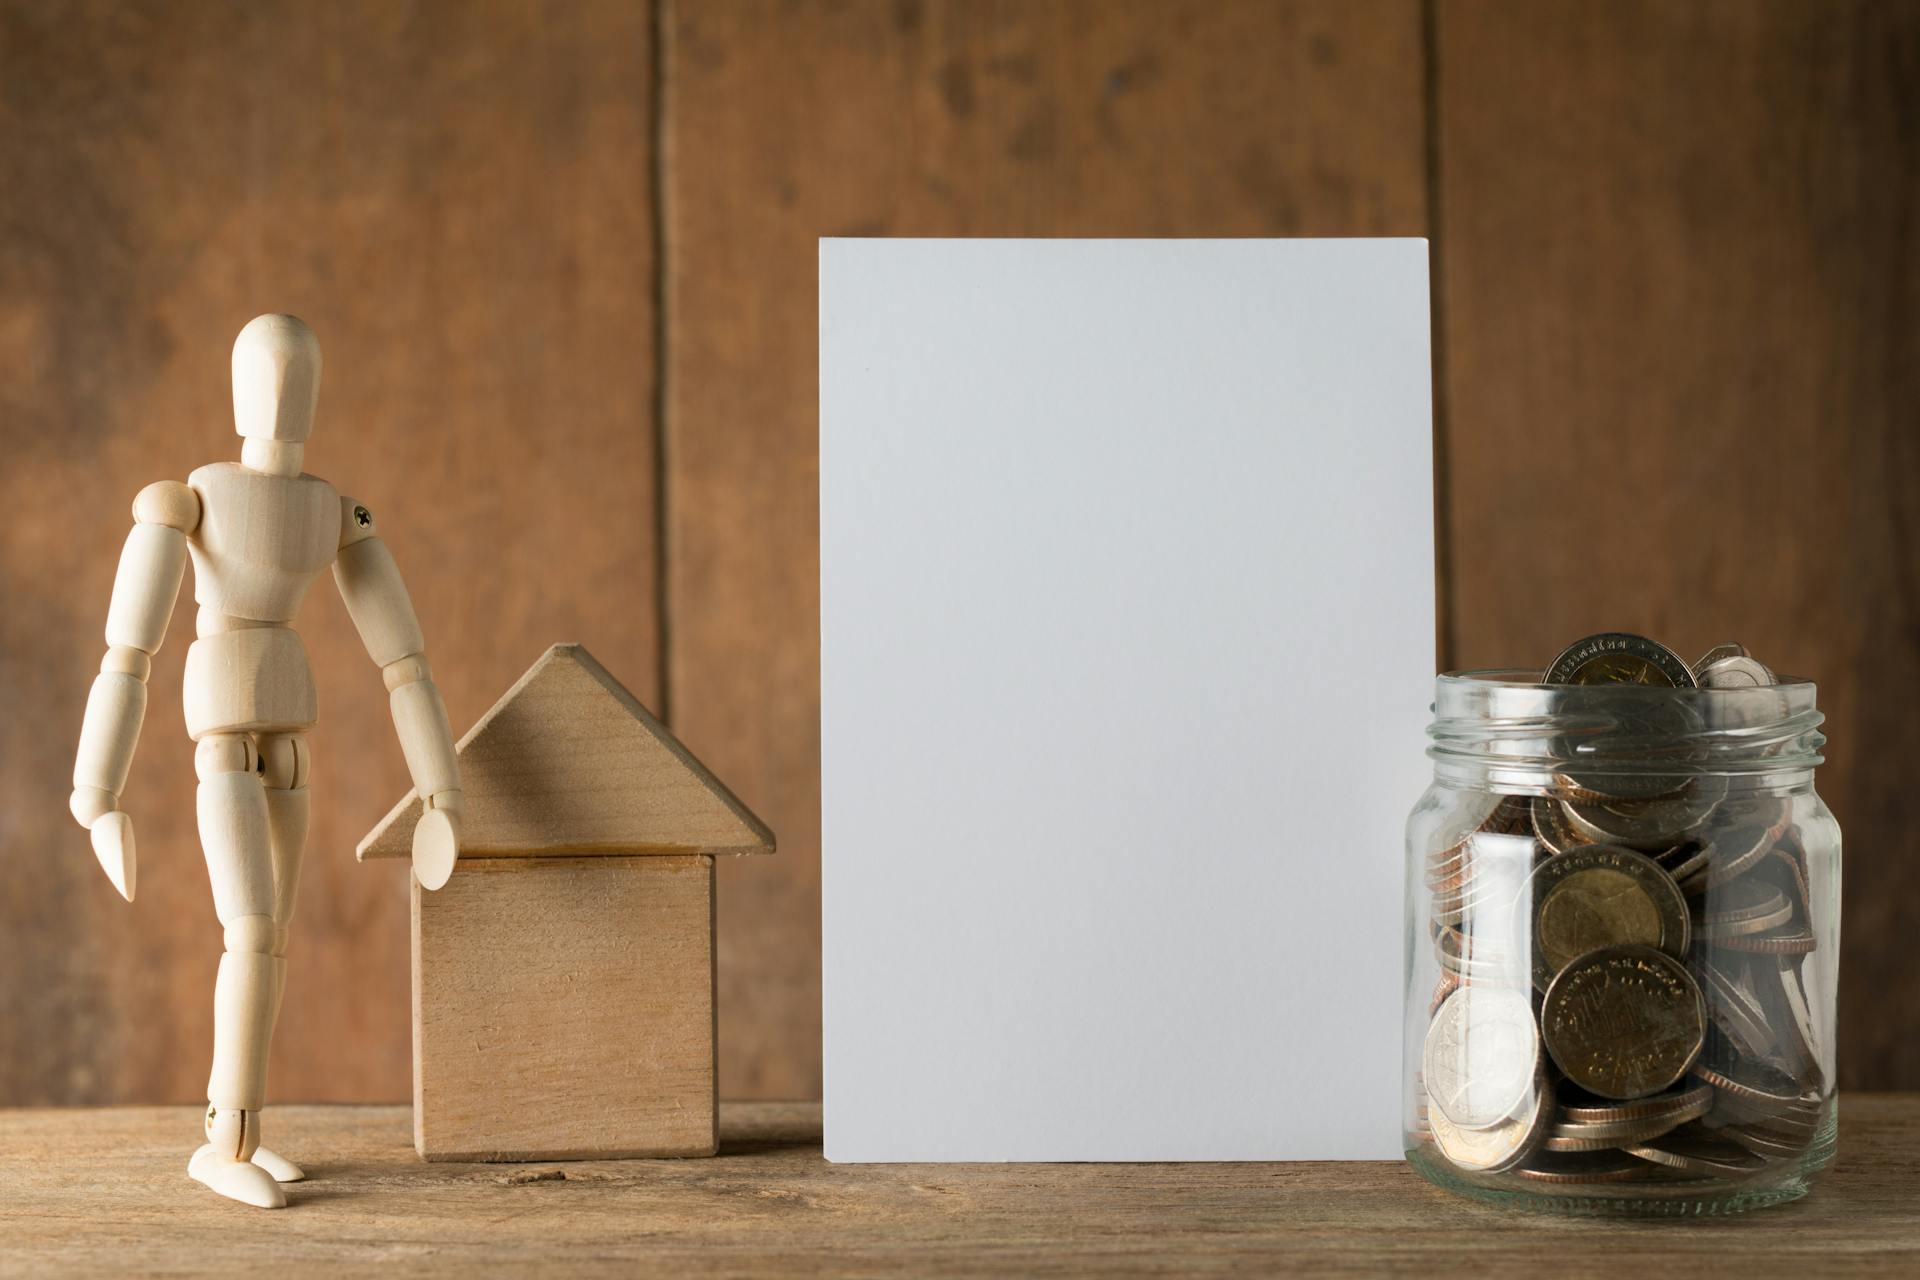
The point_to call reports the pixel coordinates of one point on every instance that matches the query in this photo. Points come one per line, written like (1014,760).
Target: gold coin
(1624,1022)
(1601,896)
(1618,657)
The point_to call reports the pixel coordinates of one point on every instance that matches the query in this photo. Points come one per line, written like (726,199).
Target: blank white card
(1127,635)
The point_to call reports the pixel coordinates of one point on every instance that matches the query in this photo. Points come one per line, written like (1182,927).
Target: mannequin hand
(112,835)
(436,841)
(111,832)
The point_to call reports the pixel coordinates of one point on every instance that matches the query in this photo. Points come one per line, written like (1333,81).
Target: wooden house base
(563,1009)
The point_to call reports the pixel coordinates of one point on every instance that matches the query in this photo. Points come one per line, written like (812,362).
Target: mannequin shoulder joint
(170,503)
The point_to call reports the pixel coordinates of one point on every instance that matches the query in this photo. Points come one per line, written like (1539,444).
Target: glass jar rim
(1527,678)
(1509,723)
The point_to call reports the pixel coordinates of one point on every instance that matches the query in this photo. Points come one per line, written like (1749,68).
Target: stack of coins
(1621,994)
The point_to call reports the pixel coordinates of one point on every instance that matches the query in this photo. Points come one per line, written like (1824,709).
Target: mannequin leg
(234,834)
(283,761)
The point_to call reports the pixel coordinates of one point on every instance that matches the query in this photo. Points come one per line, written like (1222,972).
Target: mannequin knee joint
(220,753)
(283,762)
(251,933)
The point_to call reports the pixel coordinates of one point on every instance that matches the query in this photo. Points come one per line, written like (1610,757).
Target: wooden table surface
(105,1190)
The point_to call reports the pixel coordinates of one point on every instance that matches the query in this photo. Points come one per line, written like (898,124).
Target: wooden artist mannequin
(259,532)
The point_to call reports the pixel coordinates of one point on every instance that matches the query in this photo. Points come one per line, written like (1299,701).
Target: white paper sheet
(1127,641)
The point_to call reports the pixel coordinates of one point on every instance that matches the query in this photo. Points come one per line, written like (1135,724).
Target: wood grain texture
(457,197)
(1679,292)
(790,122)
(1676,285)
(563,1009)
(102,1191)
(568,761)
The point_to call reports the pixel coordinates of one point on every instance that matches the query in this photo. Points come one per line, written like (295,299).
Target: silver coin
(1735,673)
(1501,1145)
(1482,1056)
(1768,1142)
(1735,1008)
(1718,652)
(1697,1151)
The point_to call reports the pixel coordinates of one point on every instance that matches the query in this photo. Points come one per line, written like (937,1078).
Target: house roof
(569,762)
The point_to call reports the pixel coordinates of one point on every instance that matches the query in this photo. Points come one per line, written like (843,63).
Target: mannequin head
(276,379)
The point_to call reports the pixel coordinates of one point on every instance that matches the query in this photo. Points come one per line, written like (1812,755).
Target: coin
(1718,652)
(1482,1056)
(1504,833)
(1796,940)
(1742,908)
(1457,910)
(1597,786)
(1475,961)
(1618,657)
(1620,744)
(1464,816)
(1693,1150)
(1744,900)
(1800,1117)
(1597,1135)
(1755,1082)
(1735,1009)
(1624,1022)
(1500,1146)
(1650,826)
(1778,981)
(1511,817)
(1551,828)
(1736,671)
(1772,1144)
(1685,861)
(1601,896)
(1796,877)
(1598,1166)
(1742,835)
(1574,1138)
(1578,1105)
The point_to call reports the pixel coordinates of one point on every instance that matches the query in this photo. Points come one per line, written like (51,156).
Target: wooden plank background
(561,257)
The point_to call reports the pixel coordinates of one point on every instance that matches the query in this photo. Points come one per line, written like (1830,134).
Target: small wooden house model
(563,979)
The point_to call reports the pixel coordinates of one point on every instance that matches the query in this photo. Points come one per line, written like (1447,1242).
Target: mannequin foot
(239,1180)
(278,1166)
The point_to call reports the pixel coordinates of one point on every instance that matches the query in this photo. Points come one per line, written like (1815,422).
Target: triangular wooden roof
(569,762)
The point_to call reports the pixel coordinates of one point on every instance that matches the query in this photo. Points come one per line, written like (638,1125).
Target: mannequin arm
(377,600)
(144,591)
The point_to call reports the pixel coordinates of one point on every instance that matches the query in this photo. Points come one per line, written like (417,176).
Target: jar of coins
(1623,927)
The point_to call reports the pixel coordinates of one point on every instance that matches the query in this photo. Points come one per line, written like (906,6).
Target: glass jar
(1622,947)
